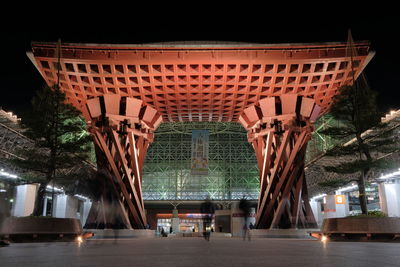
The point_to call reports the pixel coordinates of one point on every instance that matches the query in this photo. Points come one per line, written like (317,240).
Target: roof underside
(200,81)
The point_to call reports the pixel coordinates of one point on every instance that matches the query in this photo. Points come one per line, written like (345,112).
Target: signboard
(200,143)
(339,199)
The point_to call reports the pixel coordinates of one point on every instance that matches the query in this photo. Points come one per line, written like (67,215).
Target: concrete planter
(35,229)
(121,233)
(363,228)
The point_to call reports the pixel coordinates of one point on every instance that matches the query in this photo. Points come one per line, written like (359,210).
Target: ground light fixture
(79,239)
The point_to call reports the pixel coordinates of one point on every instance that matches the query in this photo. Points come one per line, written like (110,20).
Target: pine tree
(356,110)
(60,138)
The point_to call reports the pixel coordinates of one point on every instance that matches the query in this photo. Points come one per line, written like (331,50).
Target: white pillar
(201,227)
(317,211)
(237,220)
(24,200)
(45,206)
(382,198)
(175,221)
(389,198)
(65,206)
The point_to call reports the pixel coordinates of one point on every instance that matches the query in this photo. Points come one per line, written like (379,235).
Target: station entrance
(276,93)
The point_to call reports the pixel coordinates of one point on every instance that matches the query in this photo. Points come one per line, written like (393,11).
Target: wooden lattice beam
(200,82)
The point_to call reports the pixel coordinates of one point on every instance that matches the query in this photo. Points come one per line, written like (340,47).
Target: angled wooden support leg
(280,157)
(274,177)
(123,128)
(296,206)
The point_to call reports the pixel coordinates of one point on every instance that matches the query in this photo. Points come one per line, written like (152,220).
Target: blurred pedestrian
(207,208)
(246,232)
(244,206)
(251,226)
(163,234)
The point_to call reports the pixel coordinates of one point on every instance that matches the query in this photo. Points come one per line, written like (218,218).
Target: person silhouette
(207,209)
(244,206)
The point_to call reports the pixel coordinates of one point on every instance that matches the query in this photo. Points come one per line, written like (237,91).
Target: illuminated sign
(200,145)
(339,199)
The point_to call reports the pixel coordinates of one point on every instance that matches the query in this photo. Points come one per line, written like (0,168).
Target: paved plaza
(198,252)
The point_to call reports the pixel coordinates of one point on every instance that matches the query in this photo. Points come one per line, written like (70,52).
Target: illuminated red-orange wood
(279,129)
(122,130)
(201,82)
(275,91)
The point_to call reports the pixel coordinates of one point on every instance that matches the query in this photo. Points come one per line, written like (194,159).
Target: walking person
(246,232)
(244,206)
(207,209)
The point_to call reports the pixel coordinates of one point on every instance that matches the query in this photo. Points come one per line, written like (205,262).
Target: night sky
(20,79)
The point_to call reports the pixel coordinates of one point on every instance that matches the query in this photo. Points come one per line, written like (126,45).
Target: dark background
(19,79)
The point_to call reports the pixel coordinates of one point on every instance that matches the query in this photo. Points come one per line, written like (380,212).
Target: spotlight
(79,239)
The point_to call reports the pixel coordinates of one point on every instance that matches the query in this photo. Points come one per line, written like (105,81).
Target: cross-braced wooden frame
(279,129)
(122,130)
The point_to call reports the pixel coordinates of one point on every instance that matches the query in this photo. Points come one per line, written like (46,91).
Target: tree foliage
(360,122)
(60,140)
(334,183)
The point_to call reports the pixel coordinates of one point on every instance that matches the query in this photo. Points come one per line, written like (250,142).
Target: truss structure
(122,129)
(11,138)
(232,171)
(320,143)
(279,129)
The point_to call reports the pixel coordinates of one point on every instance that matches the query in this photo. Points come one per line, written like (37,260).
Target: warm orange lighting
(324,238)
(211,81)
(79,239)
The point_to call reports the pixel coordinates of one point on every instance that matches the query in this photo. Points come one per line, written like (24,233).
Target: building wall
(232,167)
(223,221)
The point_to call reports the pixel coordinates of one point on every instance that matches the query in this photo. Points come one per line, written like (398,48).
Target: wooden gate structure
(279,129)
(276,91)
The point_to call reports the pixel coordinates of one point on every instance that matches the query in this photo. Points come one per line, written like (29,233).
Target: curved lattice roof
(200,81)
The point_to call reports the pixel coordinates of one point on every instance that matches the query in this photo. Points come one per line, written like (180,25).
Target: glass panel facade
(232,169)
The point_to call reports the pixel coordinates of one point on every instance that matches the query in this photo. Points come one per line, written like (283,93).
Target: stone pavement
(198,252)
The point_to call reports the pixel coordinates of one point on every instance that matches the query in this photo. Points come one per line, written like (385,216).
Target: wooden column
(279,129)
(122,129)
